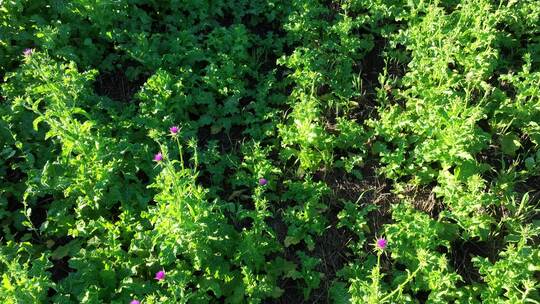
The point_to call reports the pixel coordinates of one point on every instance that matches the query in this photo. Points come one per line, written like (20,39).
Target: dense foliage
(269,151)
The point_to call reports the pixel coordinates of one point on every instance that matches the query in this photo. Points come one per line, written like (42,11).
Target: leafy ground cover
(269,151)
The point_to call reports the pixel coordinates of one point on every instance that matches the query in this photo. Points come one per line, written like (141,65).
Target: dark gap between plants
(462,253)
(117,86)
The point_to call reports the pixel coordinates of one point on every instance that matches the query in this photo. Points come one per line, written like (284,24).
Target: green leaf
(529,163)
(37,121)
(339,293)
(291,240)
(69,249)
(510,144)
(60,252)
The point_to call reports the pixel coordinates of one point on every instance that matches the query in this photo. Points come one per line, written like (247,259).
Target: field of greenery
(269,151)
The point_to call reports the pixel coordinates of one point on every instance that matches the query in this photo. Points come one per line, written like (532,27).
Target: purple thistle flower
(158,157)
(135,302)
(174,130)
(28,52)
(263,181)
(381,243)
(160,275)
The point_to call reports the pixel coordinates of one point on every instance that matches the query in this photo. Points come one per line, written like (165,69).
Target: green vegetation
(269,151)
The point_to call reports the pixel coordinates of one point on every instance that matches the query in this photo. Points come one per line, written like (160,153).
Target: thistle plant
(199,151)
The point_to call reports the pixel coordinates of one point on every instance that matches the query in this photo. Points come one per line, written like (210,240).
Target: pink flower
(160,275)
(263,181)
(174,130)
(381,243)
(158,157)
(135,302)
(28,52)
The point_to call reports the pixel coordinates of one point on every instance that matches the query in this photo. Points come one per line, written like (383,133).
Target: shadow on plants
(117,86)
(39,210)
(462,253)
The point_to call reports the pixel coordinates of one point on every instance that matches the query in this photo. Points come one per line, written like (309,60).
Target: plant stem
(180,152)
(401,286)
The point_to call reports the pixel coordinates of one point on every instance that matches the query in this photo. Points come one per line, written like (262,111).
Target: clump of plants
(269,151)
